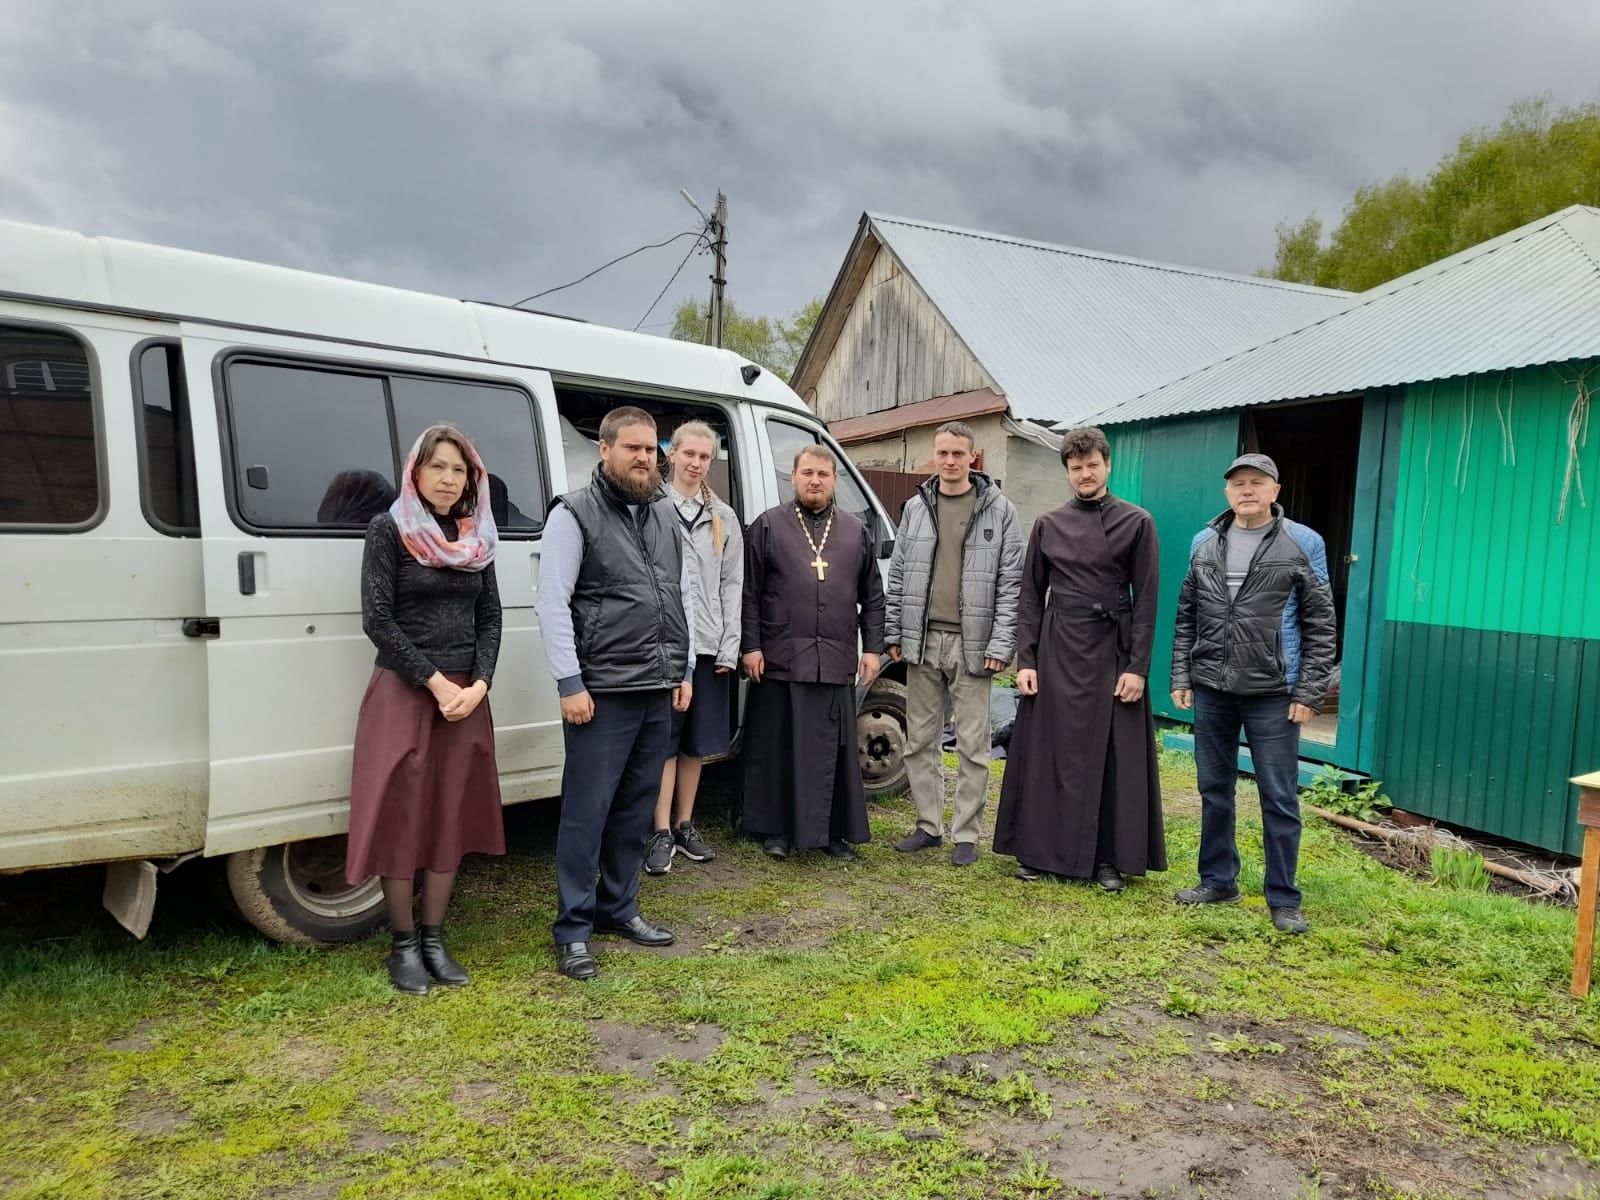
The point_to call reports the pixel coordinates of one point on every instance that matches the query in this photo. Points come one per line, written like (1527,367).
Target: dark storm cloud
(496,147)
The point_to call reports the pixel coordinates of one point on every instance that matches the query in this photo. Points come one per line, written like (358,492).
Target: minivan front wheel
(881,738)
(297,893)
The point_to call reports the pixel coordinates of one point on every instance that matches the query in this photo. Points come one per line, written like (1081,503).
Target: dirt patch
(140,1037)
(636,1049)
(479,1100)
(148,1117)
(366,1141)
(319,1189)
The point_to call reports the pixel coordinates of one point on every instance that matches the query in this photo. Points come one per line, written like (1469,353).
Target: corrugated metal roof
(1527,297)
(1066,332)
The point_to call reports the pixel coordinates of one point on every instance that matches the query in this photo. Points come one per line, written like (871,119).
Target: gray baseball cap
(1259,462)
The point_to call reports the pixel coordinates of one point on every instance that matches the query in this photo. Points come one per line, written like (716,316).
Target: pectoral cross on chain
(818,563)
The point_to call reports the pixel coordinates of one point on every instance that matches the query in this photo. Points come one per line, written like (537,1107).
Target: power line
(694,233)
(669,282)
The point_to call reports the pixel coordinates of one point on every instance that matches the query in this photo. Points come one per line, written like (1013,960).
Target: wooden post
(1588,883)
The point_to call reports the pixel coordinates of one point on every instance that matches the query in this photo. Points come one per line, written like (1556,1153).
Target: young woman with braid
(714,548)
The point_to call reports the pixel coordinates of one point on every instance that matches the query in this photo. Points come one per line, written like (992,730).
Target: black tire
(296,893)
(881,738)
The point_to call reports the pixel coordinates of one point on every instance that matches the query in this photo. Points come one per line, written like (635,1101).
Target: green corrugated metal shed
(1471,658)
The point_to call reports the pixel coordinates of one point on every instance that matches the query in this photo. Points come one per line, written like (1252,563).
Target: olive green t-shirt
(944,594)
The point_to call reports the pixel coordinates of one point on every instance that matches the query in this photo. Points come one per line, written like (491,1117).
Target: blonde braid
(718,535)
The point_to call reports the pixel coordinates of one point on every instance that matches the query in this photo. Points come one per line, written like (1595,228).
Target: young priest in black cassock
(811,586)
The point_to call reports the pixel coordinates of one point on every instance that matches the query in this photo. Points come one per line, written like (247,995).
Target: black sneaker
(776,847)
(1029,874)
(965,854)
(658,853)
(1289,920)
(690,844)
(1206,894)
(841,851)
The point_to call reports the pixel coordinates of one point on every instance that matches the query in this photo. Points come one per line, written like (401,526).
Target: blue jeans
(1274,742)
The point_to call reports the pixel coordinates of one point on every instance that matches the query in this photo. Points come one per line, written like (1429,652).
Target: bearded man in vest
(615,606)
(811,594)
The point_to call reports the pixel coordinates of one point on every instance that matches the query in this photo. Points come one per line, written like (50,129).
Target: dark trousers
(609,786)
(1274,742)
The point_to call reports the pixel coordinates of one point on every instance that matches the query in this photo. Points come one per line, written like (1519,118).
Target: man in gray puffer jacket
(952,616)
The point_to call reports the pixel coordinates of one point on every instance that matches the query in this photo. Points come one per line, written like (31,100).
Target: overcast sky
(493,148)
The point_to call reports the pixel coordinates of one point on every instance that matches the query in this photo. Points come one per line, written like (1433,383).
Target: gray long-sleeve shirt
(560,559)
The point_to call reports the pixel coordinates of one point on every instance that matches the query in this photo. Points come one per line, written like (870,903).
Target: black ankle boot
(436,958)
(406,969)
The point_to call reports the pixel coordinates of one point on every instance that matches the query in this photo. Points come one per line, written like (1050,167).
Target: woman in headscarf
(425,790)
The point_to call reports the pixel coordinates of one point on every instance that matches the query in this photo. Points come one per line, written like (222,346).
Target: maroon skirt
(424,791)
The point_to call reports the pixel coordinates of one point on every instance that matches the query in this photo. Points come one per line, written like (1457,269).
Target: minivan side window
(580,410)
(787,440)
(319,447)
(499,421)
(166,442)
(49,458)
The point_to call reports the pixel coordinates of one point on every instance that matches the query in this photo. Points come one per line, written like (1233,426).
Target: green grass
(893,1028)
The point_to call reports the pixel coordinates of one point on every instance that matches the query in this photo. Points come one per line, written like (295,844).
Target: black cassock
(1082,785)
(802,775)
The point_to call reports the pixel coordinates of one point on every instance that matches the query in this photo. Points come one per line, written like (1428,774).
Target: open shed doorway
(1317,446)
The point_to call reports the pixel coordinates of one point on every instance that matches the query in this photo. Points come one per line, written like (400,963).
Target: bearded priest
(812,595)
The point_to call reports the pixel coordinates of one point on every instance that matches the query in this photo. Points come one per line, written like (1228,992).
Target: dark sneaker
(918,839)
(965,854)
(1109,878)
(690,844)
(841,851)
(1028,874)
(775,847)
(1289,920)
(1206,894)
(658,853)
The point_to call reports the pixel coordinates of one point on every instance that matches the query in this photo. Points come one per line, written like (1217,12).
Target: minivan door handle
(247,573)
(202,627)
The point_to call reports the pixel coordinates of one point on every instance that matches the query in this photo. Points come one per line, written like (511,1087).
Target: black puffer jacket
(1278,635)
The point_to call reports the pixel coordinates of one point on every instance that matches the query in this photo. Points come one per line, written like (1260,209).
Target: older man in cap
(1254,648)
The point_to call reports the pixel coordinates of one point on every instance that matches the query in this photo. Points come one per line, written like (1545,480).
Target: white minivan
(190,448)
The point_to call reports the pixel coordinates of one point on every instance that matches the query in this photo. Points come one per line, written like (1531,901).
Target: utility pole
(717,231)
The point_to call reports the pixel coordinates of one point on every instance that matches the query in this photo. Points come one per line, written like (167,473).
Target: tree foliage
(1539,160)
(774,342)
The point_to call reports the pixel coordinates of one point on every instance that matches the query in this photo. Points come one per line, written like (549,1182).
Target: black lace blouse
(427,619)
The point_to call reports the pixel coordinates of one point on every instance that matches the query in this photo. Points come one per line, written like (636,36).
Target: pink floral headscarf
(476,536)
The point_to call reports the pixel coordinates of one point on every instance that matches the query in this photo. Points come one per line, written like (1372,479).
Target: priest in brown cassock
(811,585)
(1082,796)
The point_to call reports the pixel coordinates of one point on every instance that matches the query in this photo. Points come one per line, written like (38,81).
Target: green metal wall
(1477,545)
(1173,469)
(1490,693)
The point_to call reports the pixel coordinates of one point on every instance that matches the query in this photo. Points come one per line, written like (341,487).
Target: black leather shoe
(1028,874)
(406,968)
(841,851)
(775,847)
(575,962)
(1109,878)
(637,930)
(436,958)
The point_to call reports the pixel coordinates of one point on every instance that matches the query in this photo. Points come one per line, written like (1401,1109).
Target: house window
(49,455)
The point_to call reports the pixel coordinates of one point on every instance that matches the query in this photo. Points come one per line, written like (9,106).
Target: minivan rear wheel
(297,893)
